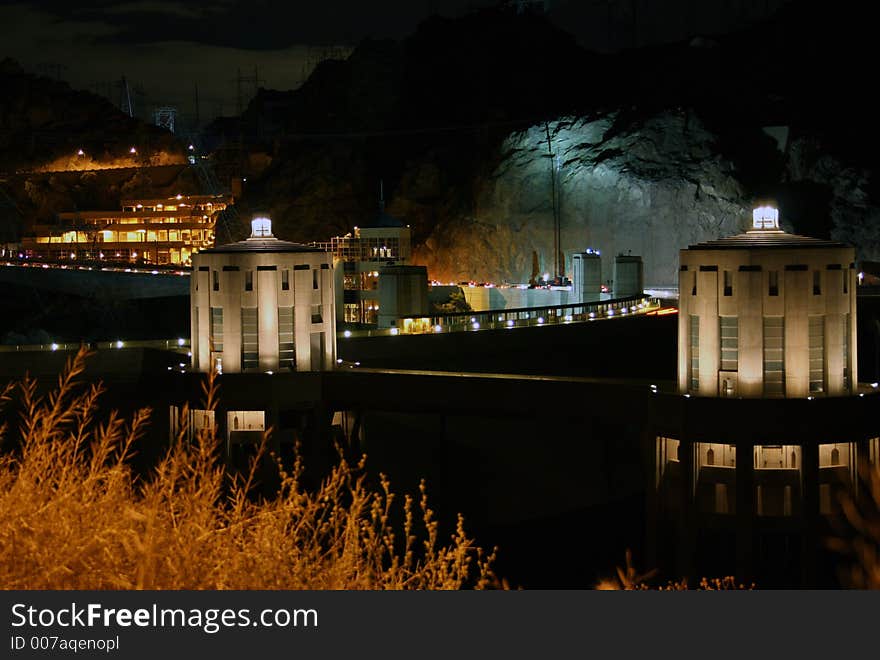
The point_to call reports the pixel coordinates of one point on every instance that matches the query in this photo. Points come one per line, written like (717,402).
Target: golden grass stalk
(73,514)
(859,540)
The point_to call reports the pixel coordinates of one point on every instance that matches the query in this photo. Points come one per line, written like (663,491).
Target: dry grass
(73,515)
(627,578)
(859,541)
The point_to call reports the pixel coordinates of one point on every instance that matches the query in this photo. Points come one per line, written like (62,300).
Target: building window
(217,329)
(845,348)
(695,352)
(817,283)
(729,333)
(315,279)
(285,280)
(248,280)
(215,279)
(817,354)
(286,346)
(316,313)
(846,281)
(250,345)
(728,283)
(774,282)
(774,356)
(694,284)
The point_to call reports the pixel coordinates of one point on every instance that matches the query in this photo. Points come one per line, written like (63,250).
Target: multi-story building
(767,313)
(148,230)
(767,331)
(262,304)
(360,257)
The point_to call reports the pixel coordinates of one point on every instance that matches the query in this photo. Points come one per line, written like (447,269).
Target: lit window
(729,330)
(695,352)
(217,329)
(817,354)
(774,356)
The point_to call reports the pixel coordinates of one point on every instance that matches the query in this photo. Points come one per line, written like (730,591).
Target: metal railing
(179,345)
(514,318)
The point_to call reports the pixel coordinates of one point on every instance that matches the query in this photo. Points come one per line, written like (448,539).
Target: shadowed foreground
(74,515)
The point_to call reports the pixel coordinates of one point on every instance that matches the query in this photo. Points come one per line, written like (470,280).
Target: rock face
(844,194)
(650,186)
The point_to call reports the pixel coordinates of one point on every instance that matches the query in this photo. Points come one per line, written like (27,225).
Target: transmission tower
(164,117)
(241,82)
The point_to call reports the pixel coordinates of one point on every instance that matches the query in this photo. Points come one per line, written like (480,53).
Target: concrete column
(810,488)
(267,314)
(685,566)
(797,289)
(853,331)
(230,294)
(301,283)
(329,298)
(684,311)
(745,513)
(710,343)
(749,292)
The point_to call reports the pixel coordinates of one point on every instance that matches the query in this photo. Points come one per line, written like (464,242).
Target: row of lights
(81,153)
(475,325)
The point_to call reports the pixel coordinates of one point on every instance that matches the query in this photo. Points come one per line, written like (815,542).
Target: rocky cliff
(653,149)
(647,186)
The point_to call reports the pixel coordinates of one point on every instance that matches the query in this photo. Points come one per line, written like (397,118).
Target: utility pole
(125,97)
(557,234)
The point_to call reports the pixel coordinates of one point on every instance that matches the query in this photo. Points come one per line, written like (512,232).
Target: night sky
(166,47)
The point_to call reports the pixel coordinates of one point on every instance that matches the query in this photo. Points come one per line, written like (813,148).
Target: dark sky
(165,47)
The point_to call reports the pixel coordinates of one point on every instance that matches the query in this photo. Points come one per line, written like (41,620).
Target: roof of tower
(262,244)
(261,240)
(762,238)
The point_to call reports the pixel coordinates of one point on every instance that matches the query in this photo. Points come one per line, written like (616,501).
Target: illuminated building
(148,230)
(767,313)
(403,291)
(767,330)
(262,304)
(628,276)
(586,275)
(383,241)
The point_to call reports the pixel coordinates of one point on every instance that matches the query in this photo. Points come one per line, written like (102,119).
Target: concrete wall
(629,277)
(486,298)
(267,270)
(118,285)
(403,291)
(586,275)
(750,300)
